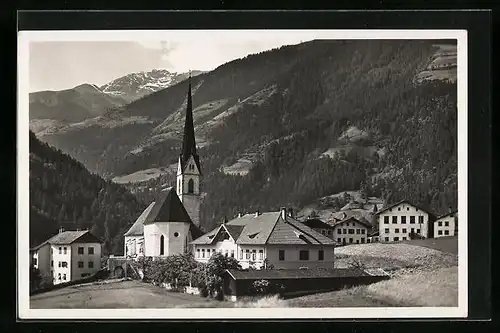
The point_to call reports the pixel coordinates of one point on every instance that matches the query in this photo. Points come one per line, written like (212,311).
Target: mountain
(71,105)
(137,85)
(294,124)
(63,193)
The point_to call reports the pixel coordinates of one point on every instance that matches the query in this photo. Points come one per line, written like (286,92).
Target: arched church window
(190,186)
(162,245)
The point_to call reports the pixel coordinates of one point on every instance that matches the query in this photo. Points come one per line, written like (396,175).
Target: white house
(252,238)
(68,256)
(446,225)
(403,221)
(172,220)
(350,230)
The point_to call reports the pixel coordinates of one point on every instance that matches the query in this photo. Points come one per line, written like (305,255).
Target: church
(172,220)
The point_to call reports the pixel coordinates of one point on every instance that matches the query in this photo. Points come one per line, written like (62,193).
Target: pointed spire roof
(188,141)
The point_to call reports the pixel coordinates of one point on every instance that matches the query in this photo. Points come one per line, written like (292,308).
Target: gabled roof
(278,274)
(137,228)
(447,214)
(70,237)
(353,219)
(404,201)
(316,224)
(267,228)
(167,208)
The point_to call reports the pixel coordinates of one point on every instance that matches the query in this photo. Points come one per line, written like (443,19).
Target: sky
(57,65)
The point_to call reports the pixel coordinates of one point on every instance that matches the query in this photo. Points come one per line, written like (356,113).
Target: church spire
(189,142)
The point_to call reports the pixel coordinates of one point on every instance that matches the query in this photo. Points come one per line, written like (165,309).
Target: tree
(216,266)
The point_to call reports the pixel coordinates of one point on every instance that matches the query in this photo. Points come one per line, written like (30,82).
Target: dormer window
(253,235)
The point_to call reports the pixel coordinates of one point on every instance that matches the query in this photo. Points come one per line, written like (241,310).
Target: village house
(350,230)
(252,238)
(68,256)
(319,226)
(403,221)
(172,220)
(446,225)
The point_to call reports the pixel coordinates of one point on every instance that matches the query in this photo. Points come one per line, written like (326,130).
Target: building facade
(271,238)
(351,231)
(446,225)
(68,256)
(404,221)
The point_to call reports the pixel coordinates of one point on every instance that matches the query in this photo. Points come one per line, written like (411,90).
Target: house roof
(404,201)
(446,215)
(353,219)
(167,208)
(137,228)
(317,224)
(267,228)
(277,274)
(70,237)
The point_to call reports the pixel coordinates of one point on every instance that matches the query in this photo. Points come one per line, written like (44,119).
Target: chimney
(239,215)
(449,209)
(290,212)
(224,220)
(61,229)
(283,213)
(257,213)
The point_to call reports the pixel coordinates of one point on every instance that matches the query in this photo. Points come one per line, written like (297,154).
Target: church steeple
(189,142)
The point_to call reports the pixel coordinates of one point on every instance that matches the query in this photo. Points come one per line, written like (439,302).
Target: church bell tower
(189,168)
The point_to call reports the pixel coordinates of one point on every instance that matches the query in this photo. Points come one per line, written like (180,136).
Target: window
(386,239)
(407,208)
(386,230)
(80,264)
(418,231)
(420,219)
(59,276)
(404,231)
(60,250)
(403,219)
(197,253)
(396,239)
(404,238)
(386,219)
(203,253)
(357,241)
(91,250)
(345,231)
(412,230)
(261,254)
(321,255)
(304,255)
(51,251)
(162,246)
(440,224)
(399,208)
(339,240)
(254,255)
(358,231)
(52,263)
(412,219)
(80,250)
(241,254)
(59,264)
(347,224)
(351,231)
(232,253)
(64,249)
(362,231)
(396,230)
(446,224)
(394,219)
(64,277)
(329,232)
(64,264)
(91,264)
(350,240)
(440,232)
(281,255)
(191,186)
(362,240)
(446,232)
(247,254)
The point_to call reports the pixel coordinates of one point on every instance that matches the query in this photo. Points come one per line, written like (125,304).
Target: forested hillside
(63,193)
(292,113)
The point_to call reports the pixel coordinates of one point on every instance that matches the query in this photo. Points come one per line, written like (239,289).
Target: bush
(216,266)
(261,287)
